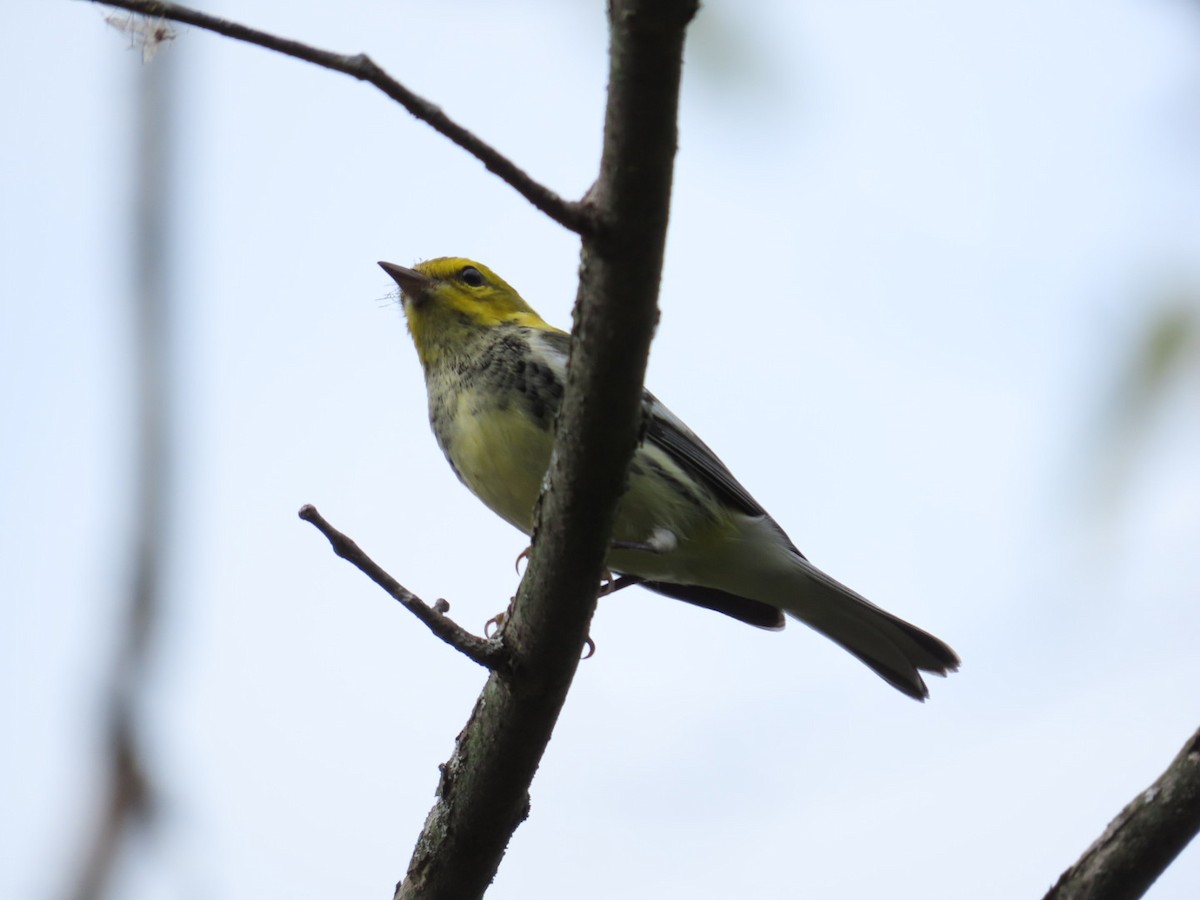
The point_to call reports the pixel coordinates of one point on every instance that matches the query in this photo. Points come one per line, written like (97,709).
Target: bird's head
(449,300)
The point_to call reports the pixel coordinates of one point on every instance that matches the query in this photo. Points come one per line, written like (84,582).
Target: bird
(495,372)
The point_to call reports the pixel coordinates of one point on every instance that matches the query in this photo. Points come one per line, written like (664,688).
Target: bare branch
(488,653)
(1139,844)
(570,214)
(483,793)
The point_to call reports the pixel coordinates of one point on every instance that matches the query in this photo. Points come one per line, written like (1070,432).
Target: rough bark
(1147,835)
(483,793)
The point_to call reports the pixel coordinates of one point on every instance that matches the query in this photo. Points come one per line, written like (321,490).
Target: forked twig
(489,653)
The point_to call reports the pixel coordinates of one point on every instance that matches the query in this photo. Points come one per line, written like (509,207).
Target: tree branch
(483,792)
(570,214)
(488,653)
(130,795)
(1139,844)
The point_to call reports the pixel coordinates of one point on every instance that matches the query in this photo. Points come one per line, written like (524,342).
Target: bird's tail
(897,651)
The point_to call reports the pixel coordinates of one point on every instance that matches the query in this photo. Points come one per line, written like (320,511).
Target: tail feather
(895,650)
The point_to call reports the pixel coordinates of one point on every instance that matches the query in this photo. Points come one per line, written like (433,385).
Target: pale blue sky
(910,248)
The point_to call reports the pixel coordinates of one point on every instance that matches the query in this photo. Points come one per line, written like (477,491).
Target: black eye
(472,277)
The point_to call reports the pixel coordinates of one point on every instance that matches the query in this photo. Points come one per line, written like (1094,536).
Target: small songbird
(495,373)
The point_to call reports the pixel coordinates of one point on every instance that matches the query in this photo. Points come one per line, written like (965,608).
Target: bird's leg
(612,585)
(658,543)
(496,622)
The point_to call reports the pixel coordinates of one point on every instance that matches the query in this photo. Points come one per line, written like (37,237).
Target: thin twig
(570,214)
(1147,835)
(488,653)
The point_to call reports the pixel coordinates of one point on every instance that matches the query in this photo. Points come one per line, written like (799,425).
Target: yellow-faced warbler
(495,372)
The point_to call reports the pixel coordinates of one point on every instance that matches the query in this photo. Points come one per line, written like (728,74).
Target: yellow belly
(502,456)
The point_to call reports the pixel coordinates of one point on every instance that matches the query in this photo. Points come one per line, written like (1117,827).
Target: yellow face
(448,299)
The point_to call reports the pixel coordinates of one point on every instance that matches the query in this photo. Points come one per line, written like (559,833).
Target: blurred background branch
(128,803)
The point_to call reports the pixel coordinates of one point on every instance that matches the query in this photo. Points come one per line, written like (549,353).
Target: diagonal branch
(1139,844)
(488,653)
(483,793)
(570,214)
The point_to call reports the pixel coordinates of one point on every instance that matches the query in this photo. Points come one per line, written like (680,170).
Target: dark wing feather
(667,431)
(695,457)
(752,612)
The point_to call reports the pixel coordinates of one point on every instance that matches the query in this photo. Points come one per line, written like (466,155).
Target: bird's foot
(495,623)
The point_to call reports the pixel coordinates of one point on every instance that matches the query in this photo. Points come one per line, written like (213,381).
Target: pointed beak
(411,282)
